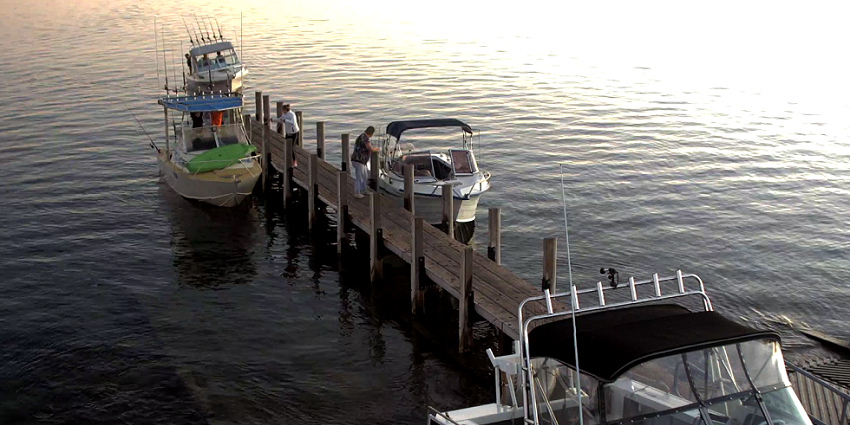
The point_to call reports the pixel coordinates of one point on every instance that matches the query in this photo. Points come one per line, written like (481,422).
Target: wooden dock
(478,282)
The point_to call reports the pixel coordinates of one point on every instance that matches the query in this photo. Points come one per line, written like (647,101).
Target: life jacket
(215,118)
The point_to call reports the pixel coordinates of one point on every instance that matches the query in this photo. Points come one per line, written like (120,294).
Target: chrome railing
(825,403)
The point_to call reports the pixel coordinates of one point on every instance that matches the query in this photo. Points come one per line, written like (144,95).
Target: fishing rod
(187,32)
(164,60)
(212,28)
(206,29)
(199,28)
(156,52)
(220,36)
(153,144)
(195,30)
(184,69)
(573,299)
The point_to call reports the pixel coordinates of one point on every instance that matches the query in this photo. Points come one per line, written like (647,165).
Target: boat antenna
(156,51)
(220,37)
(153,144)
(164,61)
(573,299)
(187,32)
(199,28)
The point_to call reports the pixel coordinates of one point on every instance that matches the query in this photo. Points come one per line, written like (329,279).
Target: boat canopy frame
(211,48)
(396,128)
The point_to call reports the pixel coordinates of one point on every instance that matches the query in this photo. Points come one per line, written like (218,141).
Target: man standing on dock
(290,127)
(360,159)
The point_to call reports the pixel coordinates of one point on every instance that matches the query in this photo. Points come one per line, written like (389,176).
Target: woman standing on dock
(360,159)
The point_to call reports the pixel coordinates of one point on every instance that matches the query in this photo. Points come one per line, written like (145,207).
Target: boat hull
(430,207)
(222,188)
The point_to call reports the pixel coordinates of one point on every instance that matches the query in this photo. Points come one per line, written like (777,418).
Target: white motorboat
(215,67)
(212,163)
(640,361)
(433,170)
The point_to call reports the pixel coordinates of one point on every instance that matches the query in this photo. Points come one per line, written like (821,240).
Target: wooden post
(259,107)
(465,328)
(373,177)
(550,266)
(299,116)
(376,270)
(246,118)
(267,156)
(448,210)
(320,139)
(279,113)
(267,110)
(346,154)
(494,249)
(312,190)
(342,210)
(287,172)
(417,265)
(408,188)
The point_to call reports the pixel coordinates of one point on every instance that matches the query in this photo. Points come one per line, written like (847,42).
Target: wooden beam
(550,264)
(373,177)
(258,95)
(465,301)
(341,210)
(417,265)
(279,113)
(287,172)
(320,139)
(312,189)
(376,269)
(346,154)
(494,249)
(448,210)
(299,116)
(408,188)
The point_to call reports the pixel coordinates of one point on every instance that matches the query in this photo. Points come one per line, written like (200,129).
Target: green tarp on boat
(218,158)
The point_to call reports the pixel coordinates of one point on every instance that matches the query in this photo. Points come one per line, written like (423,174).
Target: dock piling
(465,301)
(258,97)
(341,210)
(494,249)
(288,153)
(312,190)
(299,116)
(267,155)
(246,118)
(448,210)
(408,188)
(373,175)
(550,264)
(346,154)
(320,139)
(376,268)
(279,105)
(417,265)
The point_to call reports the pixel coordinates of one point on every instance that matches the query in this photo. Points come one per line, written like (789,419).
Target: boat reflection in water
(212,247)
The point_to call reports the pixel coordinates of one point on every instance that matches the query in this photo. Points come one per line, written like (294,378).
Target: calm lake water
(709,138)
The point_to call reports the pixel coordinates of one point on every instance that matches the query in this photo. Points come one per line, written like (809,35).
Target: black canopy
(612,342)
(395,128)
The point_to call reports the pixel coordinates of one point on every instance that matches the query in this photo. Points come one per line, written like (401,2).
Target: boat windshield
(214,61)
(737,384)
(205,138)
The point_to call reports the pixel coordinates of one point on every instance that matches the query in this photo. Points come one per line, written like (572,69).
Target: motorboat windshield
(743,383)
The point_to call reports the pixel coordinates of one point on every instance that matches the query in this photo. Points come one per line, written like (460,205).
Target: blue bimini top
(205,103)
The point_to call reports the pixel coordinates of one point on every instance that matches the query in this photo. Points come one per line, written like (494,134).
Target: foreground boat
(214,162)
(433,170)
(643,361)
